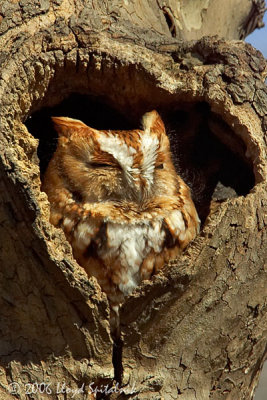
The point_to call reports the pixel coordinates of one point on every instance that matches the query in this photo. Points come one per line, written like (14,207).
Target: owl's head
(105,165)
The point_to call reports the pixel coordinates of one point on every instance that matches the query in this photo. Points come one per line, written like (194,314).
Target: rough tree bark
(198,329)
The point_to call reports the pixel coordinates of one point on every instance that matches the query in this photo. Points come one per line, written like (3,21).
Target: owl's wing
(175,228)
(181,226)
(77,222)
(86,235)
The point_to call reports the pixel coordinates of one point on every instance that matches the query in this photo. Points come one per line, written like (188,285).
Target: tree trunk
(198,329)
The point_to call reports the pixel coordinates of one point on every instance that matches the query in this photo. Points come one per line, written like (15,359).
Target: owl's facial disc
(136,157)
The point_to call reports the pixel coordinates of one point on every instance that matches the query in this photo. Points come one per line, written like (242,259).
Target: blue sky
(258,38)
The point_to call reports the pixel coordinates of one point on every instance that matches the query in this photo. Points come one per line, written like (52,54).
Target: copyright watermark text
(63,388)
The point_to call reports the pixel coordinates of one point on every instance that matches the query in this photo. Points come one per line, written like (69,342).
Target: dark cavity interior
(88,109)
(207,154)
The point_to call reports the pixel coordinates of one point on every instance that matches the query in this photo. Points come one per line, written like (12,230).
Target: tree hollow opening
(206,152)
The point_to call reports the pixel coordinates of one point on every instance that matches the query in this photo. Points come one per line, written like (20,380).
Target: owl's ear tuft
(66,126)
(152,122)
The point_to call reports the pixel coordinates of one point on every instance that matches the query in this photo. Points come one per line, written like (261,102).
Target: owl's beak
(139,186)
(142,189)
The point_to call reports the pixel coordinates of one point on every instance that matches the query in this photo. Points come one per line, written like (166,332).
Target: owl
(120,203)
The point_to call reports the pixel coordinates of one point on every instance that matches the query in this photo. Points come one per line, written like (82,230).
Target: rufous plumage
(123,208)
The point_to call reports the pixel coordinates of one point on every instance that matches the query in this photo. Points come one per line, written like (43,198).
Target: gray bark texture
(197,330)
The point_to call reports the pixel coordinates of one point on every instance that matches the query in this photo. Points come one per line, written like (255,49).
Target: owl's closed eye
(120,202)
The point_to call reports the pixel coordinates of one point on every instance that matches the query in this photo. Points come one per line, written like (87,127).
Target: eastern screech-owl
(121,204)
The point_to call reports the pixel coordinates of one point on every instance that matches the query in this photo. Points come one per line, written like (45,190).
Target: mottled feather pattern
(120,202)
